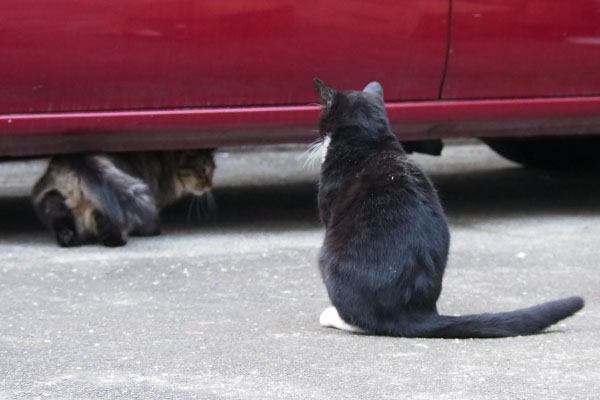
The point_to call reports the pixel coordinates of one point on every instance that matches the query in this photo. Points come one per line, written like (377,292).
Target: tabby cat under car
(107,197)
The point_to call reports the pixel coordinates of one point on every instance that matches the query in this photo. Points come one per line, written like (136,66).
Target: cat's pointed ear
(375,89)
(325,92)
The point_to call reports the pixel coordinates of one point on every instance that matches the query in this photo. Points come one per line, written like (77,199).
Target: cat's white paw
(331,319)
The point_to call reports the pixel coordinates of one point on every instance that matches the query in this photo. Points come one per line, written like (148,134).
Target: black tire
(551,152)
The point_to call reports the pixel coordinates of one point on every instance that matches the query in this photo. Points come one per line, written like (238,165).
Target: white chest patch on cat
(326,142)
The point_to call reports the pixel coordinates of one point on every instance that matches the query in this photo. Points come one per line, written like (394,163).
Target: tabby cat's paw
(66,238)
(109,233)
(114,241)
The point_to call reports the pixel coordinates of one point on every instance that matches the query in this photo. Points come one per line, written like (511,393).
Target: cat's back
(390,204)
(156,169)
(391,179)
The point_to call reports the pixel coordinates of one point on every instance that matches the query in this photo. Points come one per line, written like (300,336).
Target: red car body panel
(158,74)
(517,48)
(73,55)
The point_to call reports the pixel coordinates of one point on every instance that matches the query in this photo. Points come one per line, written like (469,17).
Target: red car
(157,74)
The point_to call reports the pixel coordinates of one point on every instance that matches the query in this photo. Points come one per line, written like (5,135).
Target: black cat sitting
(386,240)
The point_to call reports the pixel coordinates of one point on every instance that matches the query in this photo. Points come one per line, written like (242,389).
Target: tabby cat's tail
(524,321)
(97,188)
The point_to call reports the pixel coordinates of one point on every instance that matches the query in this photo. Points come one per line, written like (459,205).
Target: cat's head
(362,109)
(194,171)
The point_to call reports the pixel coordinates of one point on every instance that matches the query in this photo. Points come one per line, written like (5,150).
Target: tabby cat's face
(195,172)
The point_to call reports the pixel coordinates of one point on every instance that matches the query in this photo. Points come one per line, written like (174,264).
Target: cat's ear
(375,89)
(325,92)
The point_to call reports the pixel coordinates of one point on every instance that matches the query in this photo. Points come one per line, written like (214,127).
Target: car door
(72,55)
(523,48)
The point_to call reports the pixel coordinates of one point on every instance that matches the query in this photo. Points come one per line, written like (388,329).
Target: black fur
(386,241)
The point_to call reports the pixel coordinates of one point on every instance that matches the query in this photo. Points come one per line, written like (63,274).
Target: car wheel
(553,152)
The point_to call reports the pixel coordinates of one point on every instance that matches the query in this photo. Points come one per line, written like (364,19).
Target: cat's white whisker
(313,154)
(200,210)
(211,204)
(189,212)
(204,207)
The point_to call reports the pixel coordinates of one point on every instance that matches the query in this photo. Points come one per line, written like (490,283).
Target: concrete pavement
(228,308)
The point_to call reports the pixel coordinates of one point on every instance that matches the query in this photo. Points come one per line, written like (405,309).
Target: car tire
(550,152)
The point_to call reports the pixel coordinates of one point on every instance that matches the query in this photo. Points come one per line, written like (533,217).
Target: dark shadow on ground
(269,206)
(486,194)
(514,191)
(272,207)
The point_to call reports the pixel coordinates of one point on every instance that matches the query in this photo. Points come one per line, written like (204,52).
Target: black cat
(386,240)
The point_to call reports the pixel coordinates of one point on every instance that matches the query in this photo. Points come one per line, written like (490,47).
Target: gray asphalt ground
(228,308)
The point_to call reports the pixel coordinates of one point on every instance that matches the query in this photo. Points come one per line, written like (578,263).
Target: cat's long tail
(524,321)
(97,189)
